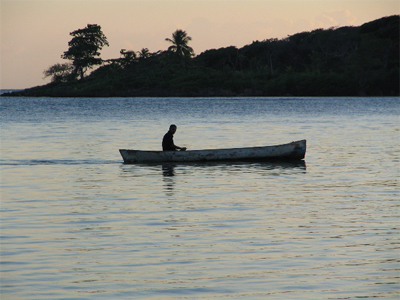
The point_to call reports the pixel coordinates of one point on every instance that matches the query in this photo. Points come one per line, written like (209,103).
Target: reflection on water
(168,172)
(168,169)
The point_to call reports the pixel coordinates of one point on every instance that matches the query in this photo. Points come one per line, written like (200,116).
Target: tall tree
(180,46)
(84,48)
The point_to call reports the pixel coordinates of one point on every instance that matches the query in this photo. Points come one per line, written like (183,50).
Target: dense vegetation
(346,61)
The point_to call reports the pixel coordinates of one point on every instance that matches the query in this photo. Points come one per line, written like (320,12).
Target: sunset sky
(35,33)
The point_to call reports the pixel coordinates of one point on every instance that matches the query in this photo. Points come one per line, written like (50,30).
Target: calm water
(76,223)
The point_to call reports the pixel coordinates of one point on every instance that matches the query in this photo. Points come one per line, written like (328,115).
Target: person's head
(172,128)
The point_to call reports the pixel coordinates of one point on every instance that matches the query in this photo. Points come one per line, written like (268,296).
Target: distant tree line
(345,61)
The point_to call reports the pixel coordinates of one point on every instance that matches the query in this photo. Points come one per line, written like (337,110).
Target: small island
(344,61)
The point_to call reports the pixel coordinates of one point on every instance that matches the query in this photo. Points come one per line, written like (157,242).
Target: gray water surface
(76,223)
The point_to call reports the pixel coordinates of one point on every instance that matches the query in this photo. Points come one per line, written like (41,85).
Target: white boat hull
(287,152)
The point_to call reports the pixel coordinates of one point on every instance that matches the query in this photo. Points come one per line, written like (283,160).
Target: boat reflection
(169,169)
(168,172)
(174,169)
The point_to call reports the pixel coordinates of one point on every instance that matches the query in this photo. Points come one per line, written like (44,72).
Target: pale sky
(35,33)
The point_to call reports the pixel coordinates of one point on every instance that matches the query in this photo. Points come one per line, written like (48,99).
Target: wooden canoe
(293,151)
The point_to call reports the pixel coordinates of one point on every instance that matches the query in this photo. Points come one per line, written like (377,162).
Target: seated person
(168,140)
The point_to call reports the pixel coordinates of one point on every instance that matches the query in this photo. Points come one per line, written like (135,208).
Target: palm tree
(180,41)
(144,53)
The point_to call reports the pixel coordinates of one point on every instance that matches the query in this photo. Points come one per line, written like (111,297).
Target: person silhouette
(168,140)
